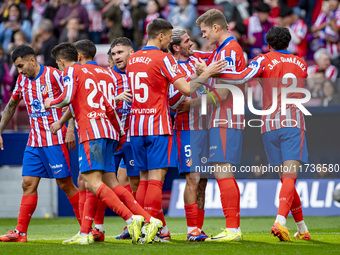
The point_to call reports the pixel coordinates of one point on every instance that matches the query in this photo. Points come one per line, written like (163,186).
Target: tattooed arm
(7,116)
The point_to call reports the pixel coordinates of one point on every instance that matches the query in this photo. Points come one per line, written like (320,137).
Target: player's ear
(131,51)
(79,57)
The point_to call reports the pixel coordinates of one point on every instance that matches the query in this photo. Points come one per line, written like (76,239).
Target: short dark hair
(124,41)
(278,38)
(286,12)
(212,17)
(86,47)
(158,26)
(22,51)
(241,28)
(65,51)
(263,7)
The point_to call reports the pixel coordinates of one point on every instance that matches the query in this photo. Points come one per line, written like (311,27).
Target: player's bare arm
(58,124)
(70,139)
(7,116)
(212,70)
(185,106)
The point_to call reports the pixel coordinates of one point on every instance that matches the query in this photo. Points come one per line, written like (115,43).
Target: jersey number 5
(137,85)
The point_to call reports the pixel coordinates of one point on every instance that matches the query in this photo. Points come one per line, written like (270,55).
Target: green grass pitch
(45,237)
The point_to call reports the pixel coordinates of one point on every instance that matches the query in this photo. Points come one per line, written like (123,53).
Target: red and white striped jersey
(34,92)
(123,108)
(331,72)
(330,36)
(232,52)
(300,30)
(278,69)
(150,71)
(83,86)
(192,120)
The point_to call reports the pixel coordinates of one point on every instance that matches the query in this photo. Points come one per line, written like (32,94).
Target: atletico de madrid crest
(44,89)
(188,162)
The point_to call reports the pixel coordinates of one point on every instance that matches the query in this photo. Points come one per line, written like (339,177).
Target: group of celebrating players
(122,115)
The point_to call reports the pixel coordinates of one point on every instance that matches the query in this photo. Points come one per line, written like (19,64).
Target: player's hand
(215,68)
(70,140)
(184,106)
(1,143)
(200,66)
(47,103)
(125,96)
(55,127)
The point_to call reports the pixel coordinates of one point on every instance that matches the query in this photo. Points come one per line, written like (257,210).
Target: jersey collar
(117,70)
(150,48)
(229,39)
(39,74)
(183,62)
(283,51)
(92,63)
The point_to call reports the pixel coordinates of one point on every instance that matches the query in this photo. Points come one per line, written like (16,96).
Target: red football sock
(127,198)
(296,208)
(230,198)
(153,198)
(141,192)
(128,187)
(286,195)
(200,218)
(160,216)
(106,195)
(90,209)
(191,213)
(27,208)
(74,201)
(100,214)
(82,198)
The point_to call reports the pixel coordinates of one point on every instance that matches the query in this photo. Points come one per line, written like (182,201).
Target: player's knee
(65,184)
(29,186)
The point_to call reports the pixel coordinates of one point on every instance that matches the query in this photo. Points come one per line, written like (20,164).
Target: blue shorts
(47,162)
(285,144)
(193,149)
(225,145)
(97,155)
(122,164)
(153,152)
(125,155)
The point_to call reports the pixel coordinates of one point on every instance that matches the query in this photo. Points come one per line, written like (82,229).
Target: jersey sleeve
(17,95)
(254,70)
(56,80)
(70,87)
(203,55)
(175,97)
(170,69)
(113,116)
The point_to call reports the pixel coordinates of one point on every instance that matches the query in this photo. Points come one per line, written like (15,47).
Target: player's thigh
(184,160)
(33,164)
(161,152)
(138,146)
(272,147)
(199,143)
(97,155)
(129,161)
(225,145)
(293,144)
(56,159)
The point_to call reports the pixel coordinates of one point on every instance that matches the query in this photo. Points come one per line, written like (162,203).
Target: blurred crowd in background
(314,26)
